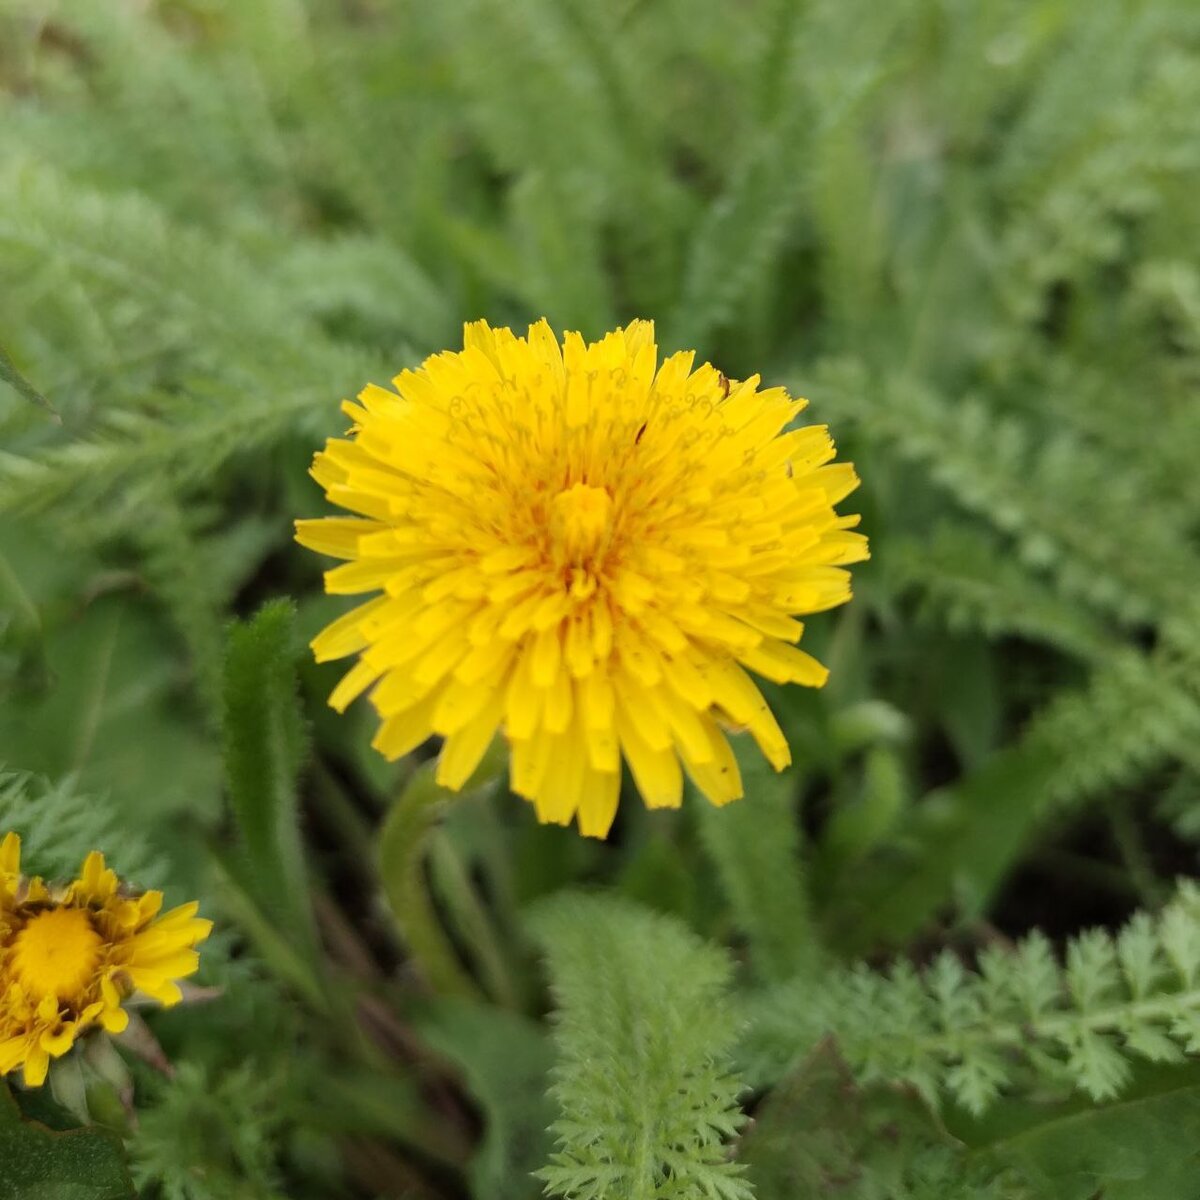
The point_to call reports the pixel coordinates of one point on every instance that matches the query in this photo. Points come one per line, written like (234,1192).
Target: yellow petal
(37,1064)
(656,772)
(336,536)
(782,663)
(598,802)
(404,731)
(352,685)
(345,635)
(10,855)
(717,774)
(465,748)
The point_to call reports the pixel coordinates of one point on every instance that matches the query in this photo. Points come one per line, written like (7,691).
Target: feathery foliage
(210,1139)
(643,1082)
(60,826)
(946,1030)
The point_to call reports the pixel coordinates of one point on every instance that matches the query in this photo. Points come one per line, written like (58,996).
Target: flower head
(71,955)
(586,549)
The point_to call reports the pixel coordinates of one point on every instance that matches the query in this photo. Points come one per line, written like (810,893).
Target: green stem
(402,847)
(475,926)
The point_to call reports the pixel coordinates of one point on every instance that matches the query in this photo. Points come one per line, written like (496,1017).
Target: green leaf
(1021,1021)
(39,1164)
(505,1060)
(1142,1149)
(864,822)
(60,826)
(809,1129)
(451,878)
(210,1132)
(279,951)
(646,1094)
(969,699)
(819,1135)
(659,875)
(358,1102)
(964,841)
(755,845)
(264,746)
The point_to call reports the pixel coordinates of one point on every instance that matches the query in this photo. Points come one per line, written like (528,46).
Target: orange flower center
(57,953)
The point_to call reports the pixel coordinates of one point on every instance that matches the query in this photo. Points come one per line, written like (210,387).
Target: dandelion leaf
(37,1163)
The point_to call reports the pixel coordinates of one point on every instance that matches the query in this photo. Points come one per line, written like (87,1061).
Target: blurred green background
(968,230)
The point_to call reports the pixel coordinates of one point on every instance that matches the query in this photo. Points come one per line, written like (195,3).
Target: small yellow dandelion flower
(70,956)
(586,549)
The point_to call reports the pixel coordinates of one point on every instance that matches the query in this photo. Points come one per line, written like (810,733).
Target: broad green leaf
(37,1163)
(1141,1149)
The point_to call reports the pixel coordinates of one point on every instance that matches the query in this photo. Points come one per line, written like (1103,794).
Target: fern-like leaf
(964,576)
(59,826)
(1020,1019)
(1066,508)
(210,1136)
(643,1082)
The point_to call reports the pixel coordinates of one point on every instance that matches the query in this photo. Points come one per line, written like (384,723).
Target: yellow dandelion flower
(585,549)
(71,955)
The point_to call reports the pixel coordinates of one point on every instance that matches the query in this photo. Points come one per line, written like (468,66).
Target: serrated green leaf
(1020,1018)
(1096,1063)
